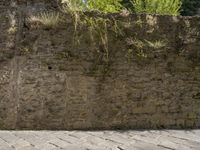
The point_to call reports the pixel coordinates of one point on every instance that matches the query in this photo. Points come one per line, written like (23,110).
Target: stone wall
(148,77)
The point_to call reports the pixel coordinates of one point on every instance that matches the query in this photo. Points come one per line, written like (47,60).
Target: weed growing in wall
(12,30)
(48,19)
(75,8)
(98,26)
(158,44)
(140,46)
(78,7)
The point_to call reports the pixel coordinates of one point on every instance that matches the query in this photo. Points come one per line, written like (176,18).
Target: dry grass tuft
(48,19)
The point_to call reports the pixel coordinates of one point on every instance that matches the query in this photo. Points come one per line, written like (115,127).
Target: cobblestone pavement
(100,140)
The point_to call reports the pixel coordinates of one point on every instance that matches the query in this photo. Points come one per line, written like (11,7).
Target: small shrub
(162,7)
(106,6)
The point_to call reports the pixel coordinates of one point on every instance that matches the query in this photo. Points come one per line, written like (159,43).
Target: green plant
(162,7)
(96,25)
(106,6)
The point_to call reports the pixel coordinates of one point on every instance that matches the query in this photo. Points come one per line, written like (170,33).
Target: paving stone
(101,140)
(4,145)
(29,148)
(59,143)
(20,143)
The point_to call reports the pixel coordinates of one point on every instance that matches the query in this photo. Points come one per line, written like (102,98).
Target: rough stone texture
(7,102)
(47,82)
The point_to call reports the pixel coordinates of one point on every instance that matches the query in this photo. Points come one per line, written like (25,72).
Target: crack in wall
(15,17)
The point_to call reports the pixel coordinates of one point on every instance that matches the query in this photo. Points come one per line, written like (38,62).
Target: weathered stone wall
(148,78)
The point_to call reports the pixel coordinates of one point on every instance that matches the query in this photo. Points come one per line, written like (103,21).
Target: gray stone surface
(101,140)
